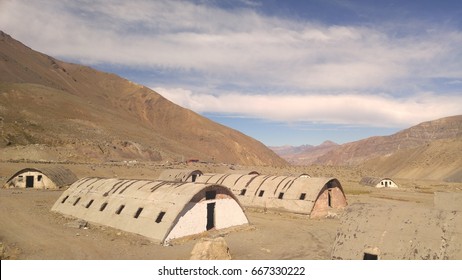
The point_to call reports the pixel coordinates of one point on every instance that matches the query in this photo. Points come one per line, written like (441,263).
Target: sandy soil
(29,230)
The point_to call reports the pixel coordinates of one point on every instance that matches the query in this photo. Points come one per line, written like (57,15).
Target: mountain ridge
(101,116)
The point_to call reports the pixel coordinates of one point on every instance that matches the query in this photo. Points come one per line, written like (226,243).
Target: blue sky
(283,72)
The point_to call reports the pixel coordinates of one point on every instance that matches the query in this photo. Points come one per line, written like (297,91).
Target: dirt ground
(29,230)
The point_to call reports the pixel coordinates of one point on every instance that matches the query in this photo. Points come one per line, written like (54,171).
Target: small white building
(378,182)
(53,177)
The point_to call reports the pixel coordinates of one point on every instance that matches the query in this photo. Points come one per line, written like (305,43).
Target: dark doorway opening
(29,181)
(194,176)
(329,198)
(210,216)
(368,256)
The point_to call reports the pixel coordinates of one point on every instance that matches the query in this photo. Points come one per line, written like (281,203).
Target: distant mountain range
(53,110)
(305,154)
(430,150)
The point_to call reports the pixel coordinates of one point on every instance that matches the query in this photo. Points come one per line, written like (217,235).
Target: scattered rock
(211,249)
(78,224)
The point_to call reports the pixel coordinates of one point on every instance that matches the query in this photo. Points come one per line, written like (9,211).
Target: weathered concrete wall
(329,199)
(398,231)
(150,208)
(39,181)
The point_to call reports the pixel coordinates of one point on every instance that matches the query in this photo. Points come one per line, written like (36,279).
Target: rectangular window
(120,209)
(160,216)
(103,206)
(261,193)
(64,199)
(89,203)
(39,178)
(281,195)
(76,201)
(138,212)
(302,196)
(243,191)
(210,195)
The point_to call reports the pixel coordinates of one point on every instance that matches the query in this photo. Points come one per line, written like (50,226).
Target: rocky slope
(52,110)
(425,133)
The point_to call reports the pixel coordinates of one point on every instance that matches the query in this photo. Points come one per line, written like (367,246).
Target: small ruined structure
(401,231)
(53,177)
(301,195)
(159,210)
(378,182)
(180,175)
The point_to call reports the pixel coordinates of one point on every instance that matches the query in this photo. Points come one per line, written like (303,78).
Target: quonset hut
(378,182)
(159,210)
(180,175)
(53,177)
(401,231)
(301,195)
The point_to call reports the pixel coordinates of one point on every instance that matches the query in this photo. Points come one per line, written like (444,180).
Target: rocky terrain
(52,110)
(430,150)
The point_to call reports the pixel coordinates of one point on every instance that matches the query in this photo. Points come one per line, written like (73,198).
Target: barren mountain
(305,154)
(437,160)
(425,133)
(53,110)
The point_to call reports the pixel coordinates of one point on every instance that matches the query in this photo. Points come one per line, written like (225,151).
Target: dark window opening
(39,178)
(261,193)
(302,196)
(64,199)
(103,206)
(138,212)
(160,216)
(120,209)
(281,195)
(210,195)
(368,256)
(89,203)
(29,181)
(243,192)
(194,176)
(210,216)
(76,201)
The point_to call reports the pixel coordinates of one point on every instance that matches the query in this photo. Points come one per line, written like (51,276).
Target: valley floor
(29,230)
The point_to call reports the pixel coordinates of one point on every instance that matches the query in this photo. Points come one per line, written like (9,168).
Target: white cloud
(324,68)
(239,46)
(351,108)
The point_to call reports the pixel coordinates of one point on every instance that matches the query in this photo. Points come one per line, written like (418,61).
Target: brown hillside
(437,160)
(53,110)
(357,152)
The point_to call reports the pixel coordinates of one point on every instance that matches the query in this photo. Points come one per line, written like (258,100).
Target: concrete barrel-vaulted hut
(301,195)
(53,177)
(180,175)
(159,210)
(378,182)
(401,231)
